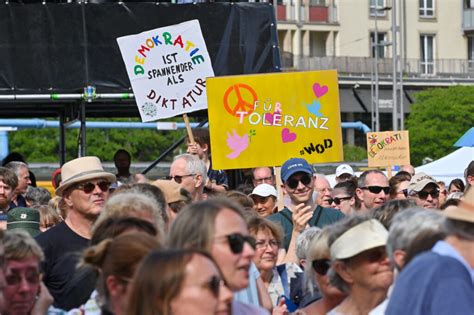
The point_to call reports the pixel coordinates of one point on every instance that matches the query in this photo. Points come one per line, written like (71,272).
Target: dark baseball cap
(295,165)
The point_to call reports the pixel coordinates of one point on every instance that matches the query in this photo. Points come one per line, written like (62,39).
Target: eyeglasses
(404,192)
(264,244)
(424,194)
(293,182)
(89,186)
(236,242)
(321,266)
(377,189)
(214,285)
(178,178)
(337,200)
(263,180)
(375,255)
(31,276)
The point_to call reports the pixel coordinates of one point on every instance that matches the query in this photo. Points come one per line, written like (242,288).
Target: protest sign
(265,119)
(388,148)
(167,67)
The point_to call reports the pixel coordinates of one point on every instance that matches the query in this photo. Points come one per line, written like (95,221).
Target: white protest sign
(167,67)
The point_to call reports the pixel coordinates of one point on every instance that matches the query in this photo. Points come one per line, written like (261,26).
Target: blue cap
(295,165)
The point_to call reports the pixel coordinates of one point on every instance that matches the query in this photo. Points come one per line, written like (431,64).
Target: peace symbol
(243,104)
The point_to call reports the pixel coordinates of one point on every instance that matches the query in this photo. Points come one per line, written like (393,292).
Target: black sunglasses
(89,186)
(237,241)
(293,182)
(214,285)
(178,178)
(404,191)
(377,189)
(337,200)
(321,266)
(424,194)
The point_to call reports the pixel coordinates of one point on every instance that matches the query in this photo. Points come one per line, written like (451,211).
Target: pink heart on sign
(269,117)
(320,90)
(287,136)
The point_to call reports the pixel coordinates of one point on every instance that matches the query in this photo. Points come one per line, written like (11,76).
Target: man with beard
(8,183)
(84,190)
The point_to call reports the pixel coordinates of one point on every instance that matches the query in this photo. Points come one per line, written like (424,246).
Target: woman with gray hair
(316,269)
(360,267)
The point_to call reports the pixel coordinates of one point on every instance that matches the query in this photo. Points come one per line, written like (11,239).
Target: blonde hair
(20,245)
(129,203)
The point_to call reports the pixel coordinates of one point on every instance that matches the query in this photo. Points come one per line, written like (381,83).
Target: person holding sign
(217,181)
(301,210)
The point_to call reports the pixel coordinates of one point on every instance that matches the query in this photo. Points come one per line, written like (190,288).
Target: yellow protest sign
(265,119)
(388,148)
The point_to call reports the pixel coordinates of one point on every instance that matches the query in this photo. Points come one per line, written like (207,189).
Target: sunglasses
(31,276)
(321,266)
(424,194)
(375,255)
(178,178)
(377,189)
(337,200)
(236,242)
(293,182)
(89,186)
(404,192)
(214,285)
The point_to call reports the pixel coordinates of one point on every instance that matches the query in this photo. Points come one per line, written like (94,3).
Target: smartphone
(289,304)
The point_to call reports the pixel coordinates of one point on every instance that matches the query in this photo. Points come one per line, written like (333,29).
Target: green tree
(354,153)
(43,145)
(437,119)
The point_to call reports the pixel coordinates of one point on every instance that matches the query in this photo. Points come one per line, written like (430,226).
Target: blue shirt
(445,249)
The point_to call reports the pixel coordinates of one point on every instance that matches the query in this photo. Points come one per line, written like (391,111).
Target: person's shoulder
(279,216)
(239,308)
(51,234)
(332,213)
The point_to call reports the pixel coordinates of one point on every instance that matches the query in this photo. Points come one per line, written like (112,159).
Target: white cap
(344,169)
(364,236)
(264,190)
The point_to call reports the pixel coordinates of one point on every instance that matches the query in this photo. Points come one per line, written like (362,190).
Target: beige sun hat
(171,190)
(364,236)
(464,211)
(81,169)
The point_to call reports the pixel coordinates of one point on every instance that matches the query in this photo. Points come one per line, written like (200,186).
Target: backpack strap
(318,216)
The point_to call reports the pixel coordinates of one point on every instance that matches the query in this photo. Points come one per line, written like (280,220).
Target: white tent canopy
(450,166)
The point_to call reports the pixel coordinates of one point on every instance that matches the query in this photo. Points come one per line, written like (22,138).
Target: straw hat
(171,190)
(81,169)
(465,210)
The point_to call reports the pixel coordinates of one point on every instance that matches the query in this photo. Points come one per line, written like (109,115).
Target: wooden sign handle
(188,128)
(389,171)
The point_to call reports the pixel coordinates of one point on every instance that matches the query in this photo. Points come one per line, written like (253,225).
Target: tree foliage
(354,153)
(437,119)
(43,145)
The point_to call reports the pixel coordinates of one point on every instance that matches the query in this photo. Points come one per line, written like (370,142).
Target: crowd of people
(124,244)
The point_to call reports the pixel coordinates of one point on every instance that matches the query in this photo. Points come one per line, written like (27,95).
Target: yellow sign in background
(388,148)
(265,119)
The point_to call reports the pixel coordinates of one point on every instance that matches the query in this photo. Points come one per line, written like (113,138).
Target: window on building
(468,4)
(427,9)
(381,38)
(427,54)
(470,52)
(375,7)
(317,2)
